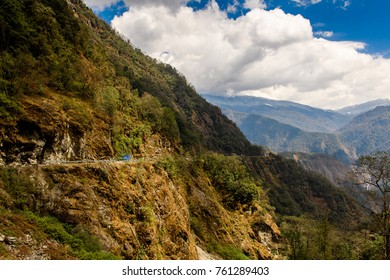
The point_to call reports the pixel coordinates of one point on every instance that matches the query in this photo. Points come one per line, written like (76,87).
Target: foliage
(146,214)
(79,112)
(313,238)
(9,107)
(82,243)
(294,191)
(110,100)
(232,179)
(19,186)
(131,141)
(227,252)
(372,179)
(169,127)
(170,165)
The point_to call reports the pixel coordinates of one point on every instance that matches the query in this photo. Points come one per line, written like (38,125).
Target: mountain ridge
(301,116)
(363,107)
(259,119)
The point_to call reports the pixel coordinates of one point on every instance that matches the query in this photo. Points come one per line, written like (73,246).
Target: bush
(110,100)
(83,245)
(130,141)
(79,112)
(232,179)
(19,186)
(8,107)
(170,165)
(227,252)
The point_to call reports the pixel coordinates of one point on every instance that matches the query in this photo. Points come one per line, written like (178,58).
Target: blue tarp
(126,158)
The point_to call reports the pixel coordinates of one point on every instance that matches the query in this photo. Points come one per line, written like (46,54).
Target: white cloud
(305,3)
(173,5)
(254,4)
(324,34)
(264,53)
(346,5)
(233,7)
(99,5)
(343,4)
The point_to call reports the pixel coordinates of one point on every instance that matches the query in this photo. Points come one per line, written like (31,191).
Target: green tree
(372,175)
(230,176)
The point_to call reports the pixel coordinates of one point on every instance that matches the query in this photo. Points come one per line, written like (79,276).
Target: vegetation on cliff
(75,97)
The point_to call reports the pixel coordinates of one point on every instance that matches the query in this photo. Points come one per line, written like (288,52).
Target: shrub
(19,186)
(228,252)
(232,179)
(83,245)
(9,107)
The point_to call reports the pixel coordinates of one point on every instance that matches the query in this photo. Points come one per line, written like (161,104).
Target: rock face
(135,210)
(51,136)
(87,95)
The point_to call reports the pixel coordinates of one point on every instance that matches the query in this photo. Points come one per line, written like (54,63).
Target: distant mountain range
(286,126)
(300,116)
(361,108)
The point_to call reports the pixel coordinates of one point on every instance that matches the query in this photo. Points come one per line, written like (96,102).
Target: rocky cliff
(124,210)
(74,99)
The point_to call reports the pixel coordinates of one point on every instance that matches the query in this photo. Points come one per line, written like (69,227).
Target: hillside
(323,164)
(369,132)
(286,138)
(64,63)
(75,98)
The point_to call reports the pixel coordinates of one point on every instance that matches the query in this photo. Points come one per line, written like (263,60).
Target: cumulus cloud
(263,53)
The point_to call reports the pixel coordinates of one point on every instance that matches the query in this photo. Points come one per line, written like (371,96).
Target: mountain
(285,126)
(364,107)
(282,138)
(294,114)
(369,132)
(77,100)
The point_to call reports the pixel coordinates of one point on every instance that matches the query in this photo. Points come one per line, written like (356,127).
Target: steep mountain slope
(286,138)
(74,98)
(301,116)
(369,132)
(64,62)
(326,165)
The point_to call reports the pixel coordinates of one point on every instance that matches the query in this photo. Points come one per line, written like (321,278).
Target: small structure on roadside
(126,158)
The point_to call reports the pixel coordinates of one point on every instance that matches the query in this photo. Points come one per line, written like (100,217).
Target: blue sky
(365,21)
(324,53)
